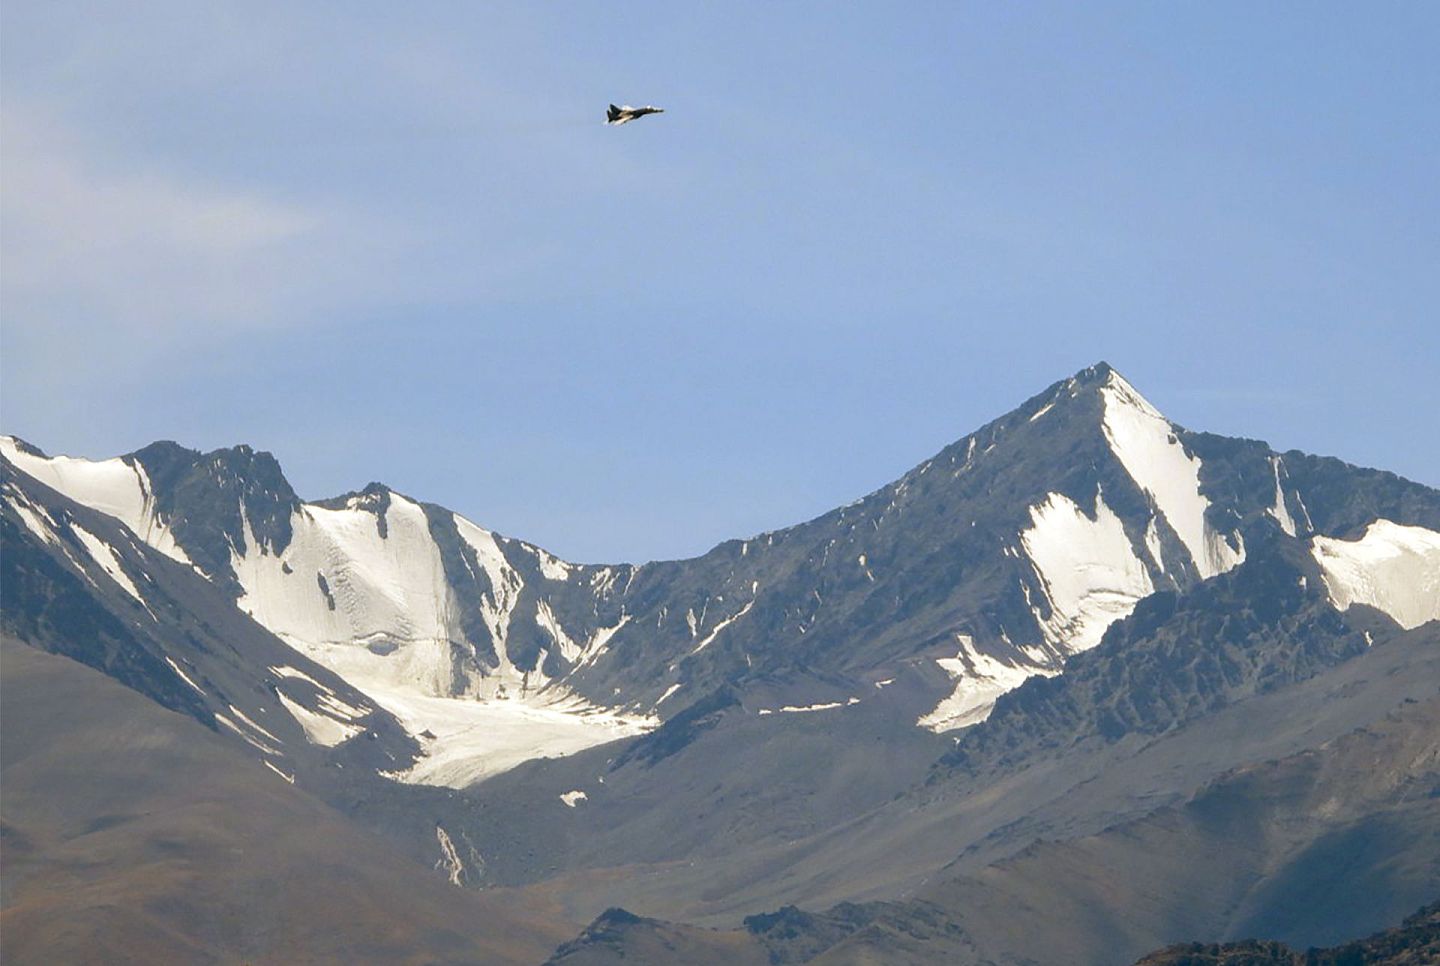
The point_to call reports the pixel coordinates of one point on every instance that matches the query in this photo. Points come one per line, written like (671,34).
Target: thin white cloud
(89,244)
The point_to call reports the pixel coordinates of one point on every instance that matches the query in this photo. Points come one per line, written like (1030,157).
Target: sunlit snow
(979,680)
(475,739)
(319,729)
(545,617)
(391,613)
(250,723)
(552,567)
(105,555)
(668,692)
(183,676)
(805,708)
(1393,568)
(1089,569)
(36,520)
(1145,442)
(1279,511)
(449,860)
(111,486)
(256,742)
(715,632)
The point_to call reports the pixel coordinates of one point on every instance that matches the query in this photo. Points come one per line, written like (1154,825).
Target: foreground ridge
(1416,942)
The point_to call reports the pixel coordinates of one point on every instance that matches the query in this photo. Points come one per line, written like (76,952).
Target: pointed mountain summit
(1008,551)
(1068,618)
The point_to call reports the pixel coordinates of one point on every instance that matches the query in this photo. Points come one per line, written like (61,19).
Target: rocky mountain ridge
(1008,552)
(1071,619)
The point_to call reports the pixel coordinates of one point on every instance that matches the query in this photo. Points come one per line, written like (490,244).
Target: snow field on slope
(475,739)
(387,591)
(1089,568)
(250,739)
(392,593)
(1280,512)
(1091,575)
(105,555)
(38,521)
(111,486)
(1391,567)
(807,708)
(497,609)
(979,680)
(1145,443)
(319,729)
(474,736)
(35,519)
(498,605)
(183,676)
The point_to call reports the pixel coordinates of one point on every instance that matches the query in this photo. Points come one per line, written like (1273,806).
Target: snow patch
(1392,567)
(477,738)
(116,487)
(706,641)
(1153,547)
(1088,568)
(333,706)
(979,680)
(183,676)
(104,555)
(290,672)
(1279,511)
(599,641)
(319,729)
(251,739)
(553,567)
(449,861)
(545,618)
(1145,443)
(801,709)
(36,520)
(573,798)
(327,699)
(252,725)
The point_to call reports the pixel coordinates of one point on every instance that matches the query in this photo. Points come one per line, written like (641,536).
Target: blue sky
(395,242)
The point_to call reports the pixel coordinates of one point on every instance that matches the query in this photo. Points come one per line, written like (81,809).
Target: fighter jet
(626,114)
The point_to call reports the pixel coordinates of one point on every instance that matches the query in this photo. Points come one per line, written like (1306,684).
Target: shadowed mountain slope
(751,814)
(1313,848)
(1416,942)
(134,835)
(78,582)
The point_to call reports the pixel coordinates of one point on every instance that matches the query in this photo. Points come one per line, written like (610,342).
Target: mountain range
(1083,684)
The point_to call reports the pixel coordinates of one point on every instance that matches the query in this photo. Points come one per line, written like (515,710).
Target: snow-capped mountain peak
(119,487)
(1146,443)
(1005,553)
